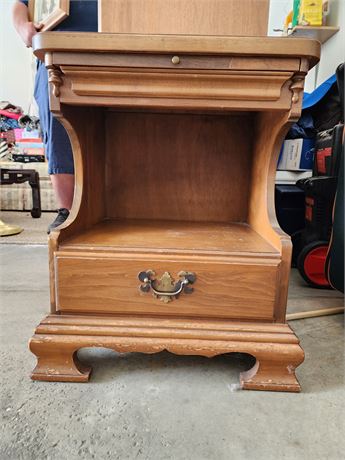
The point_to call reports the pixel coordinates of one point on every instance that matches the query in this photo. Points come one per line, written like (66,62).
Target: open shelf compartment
(171,237)
(167,194)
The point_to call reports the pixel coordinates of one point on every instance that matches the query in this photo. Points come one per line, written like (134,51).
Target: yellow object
(287,22)
(310,13)
(8,230)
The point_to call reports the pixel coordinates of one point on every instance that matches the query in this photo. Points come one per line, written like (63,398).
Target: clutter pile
(315,143)
(321,111)
(20,138)
(22,153)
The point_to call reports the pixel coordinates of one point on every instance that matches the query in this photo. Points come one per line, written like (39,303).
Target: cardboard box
(310,13)
(297,155)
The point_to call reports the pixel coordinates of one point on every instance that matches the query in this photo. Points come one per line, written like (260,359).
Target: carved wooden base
(275,346)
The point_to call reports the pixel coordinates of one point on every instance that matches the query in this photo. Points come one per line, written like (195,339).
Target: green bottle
(296,5)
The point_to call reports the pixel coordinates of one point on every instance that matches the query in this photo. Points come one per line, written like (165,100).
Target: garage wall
(333,51)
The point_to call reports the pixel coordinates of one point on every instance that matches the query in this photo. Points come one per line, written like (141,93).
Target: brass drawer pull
(165,288)
(175,60)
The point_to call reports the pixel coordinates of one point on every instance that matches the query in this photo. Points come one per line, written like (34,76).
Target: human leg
(63,185)
(58,150)
(61,170)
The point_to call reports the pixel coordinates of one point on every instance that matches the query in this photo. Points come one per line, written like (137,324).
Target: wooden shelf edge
(239,239)
(320,33)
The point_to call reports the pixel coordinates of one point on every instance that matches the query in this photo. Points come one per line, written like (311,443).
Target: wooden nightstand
(172,242)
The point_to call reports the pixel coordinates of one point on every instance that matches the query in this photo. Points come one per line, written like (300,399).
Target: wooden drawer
(110,284)
(177,60)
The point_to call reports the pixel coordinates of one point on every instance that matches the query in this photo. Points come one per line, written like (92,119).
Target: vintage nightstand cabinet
(172,242)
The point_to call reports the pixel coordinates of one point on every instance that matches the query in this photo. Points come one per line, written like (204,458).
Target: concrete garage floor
(160,406)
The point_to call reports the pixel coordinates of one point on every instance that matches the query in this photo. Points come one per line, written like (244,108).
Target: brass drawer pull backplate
(165,288)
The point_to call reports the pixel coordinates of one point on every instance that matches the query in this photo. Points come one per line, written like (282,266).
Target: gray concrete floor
(160,406)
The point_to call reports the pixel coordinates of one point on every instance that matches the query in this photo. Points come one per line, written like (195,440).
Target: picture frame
(48,12)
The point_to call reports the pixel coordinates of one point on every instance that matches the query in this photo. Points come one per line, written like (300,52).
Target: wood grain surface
(200,17)
(275,347)
(175,153)
(178,167)
(186,61)
(110,284)
(262,47)
(172,237)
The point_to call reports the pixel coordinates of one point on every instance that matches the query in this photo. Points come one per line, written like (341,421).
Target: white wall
(279,9)
(16,63)
(332,52)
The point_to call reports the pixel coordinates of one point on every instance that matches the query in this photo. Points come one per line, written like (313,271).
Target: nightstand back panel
(178,166)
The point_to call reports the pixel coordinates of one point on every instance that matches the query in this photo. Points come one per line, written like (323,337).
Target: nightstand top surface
(260,47)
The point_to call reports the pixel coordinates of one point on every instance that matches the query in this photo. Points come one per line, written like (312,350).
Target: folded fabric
(310,99)
(303,129)
(10,114)
(7,124)
(5,105)
(320,111)
(10,136)
(3,148)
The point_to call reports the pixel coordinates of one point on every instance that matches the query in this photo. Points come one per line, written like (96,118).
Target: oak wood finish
(262,49)
(261,216)
(48,22)
(185,167)
(192,17)
(234,288)
(173,237)
(186,61)
(275,346)
(175,142)
(177,84)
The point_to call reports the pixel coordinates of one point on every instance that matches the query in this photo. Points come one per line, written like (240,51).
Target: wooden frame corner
(51,20)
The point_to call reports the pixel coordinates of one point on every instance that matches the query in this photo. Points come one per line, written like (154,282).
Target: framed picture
(48,12)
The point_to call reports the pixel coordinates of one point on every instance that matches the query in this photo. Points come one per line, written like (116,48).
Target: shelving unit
(291,177)
(171,237)
(172,242)
(320,33)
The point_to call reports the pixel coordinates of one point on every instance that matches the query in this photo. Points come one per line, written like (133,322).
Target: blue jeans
(56,141)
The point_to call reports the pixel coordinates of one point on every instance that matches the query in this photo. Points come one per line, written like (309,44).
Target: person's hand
(27,30)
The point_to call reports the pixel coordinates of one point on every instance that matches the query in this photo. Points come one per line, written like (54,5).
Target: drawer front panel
(183,61)
(176,84)
(111,285)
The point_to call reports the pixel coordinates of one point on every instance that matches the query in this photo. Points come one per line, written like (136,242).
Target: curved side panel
(78,172)
(85,127)
(68,227)
(56,236)
(87,140)
(271,129)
